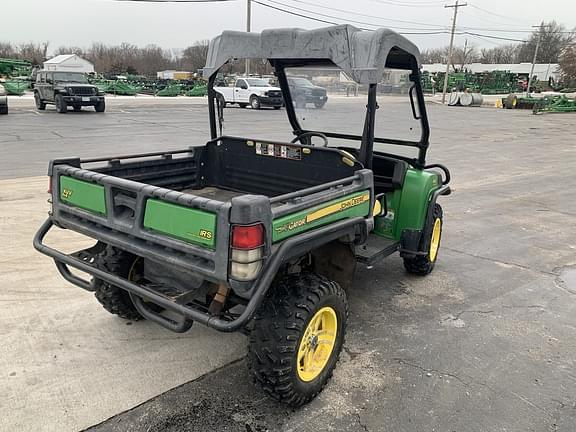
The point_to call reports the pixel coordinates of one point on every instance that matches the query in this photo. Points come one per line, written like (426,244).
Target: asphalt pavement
(485,343)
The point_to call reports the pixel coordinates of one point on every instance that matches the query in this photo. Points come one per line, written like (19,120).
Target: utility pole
(248,20)
(535,57)
(449,62)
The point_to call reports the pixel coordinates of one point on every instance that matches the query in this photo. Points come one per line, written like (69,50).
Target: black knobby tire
(60,103)
(3,109)
(255,102)
(100,106)
(116,300)
(77,108)
(40,106)
(279,327)
(422,265)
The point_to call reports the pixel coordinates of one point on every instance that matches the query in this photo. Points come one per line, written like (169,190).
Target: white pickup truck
(256,92)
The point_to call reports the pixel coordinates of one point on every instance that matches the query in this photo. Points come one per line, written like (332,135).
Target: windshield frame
(56,79)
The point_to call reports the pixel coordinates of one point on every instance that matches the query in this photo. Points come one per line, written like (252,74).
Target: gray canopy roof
(361,54)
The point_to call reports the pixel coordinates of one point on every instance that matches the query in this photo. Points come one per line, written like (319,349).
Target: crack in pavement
(362,425)
(495,261)
(439,372)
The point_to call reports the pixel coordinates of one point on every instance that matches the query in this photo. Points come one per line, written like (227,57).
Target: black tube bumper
(290,248)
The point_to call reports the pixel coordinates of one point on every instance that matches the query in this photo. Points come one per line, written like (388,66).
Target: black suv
(304,92)
(65,89)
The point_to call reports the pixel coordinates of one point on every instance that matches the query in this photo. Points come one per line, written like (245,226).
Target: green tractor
(260,235)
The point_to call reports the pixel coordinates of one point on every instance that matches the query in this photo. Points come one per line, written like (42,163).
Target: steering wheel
(311,134)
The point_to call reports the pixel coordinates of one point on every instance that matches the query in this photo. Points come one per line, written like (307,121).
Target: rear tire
(277,107)
(242,105)
(3,109)
(100,107)
(40,106)
(116,300)
(423,265)
(291,362)
(60,103)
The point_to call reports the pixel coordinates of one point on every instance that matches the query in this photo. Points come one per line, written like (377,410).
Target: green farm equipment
(14,67)
(555,104)
(259,235)
(198,90)
(170,90)
(16,87)
(122,88)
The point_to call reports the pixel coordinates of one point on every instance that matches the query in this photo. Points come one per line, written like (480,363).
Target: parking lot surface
(485,343)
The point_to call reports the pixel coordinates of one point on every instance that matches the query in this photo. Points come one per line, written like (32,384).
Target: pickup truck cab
(256,92)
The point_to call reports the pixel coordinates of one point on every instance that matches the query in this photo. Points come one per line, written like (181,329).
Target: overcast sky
(170,25)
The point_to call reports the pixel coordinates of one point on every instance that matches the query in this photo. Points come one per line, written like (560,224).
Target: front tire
(100,106)
(297,337)
(60,103)
(40,106)
(116,300)
(255,102)
(423,265)
(3,109)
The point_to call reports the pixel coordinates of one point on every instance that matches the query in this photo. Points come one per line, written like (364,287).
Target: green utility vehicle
(259,235)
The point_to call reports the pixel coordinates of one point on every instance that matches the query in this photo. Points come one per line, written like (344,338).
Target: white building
(542,70)
(69,63)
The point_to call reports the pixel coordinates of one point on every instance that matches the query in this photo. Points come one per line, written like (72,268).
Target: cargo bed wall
(171,172)
(271,169)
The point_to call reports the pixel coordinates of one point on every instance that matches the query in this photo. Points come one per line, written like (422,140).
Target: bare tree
(435,55)
(462,56)
(555,38)
(503,54)
(568,65)
(194,57)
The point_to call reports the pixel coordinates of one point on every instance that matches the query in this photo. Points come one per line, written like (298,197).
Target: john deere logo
(67,193)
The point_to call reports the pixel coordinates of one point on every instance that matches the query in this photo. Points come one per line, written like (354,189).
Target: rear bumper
(290,248)
(83,100)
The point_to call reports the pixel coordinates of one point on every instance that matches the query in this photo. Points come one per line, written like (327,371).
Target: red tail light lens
(247,237)
(49,185)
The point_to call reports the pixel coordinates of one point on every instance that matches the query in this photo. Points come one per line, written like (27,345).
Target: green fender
(407,207)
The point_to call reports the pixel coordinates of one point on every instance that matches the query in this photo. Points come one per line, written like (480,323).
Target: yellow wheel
(317,344)
(423,263)
(297,337)
(435,241)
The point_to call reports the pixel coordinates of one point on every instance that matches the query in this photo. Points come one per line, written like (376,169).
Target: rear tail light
(49,185)
(247,251)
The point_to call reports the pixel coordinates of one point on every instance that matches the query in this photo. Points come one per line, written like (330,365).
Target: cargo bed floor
(214,193)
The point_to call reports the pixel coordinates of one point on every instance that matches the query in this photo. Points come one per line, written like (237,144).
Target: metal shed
(69,63)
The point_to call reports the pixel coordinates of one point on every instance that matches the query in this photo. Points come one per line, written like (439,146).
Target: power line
(365,15)
(493,13)
(340,18)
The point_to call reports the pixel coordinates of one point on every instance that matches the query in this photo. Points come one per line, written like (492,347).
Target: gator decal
(182,223)
(353,205)
(85,195)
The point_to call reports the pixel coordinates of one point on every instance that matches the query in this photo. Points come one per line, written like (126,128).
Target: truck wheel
(3,109)
(297,337)
(77,108)
(319,105)
(242,105)
(255,102)
(60,103)
(100,107)
(422,265)
(116,300)
(40,106)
